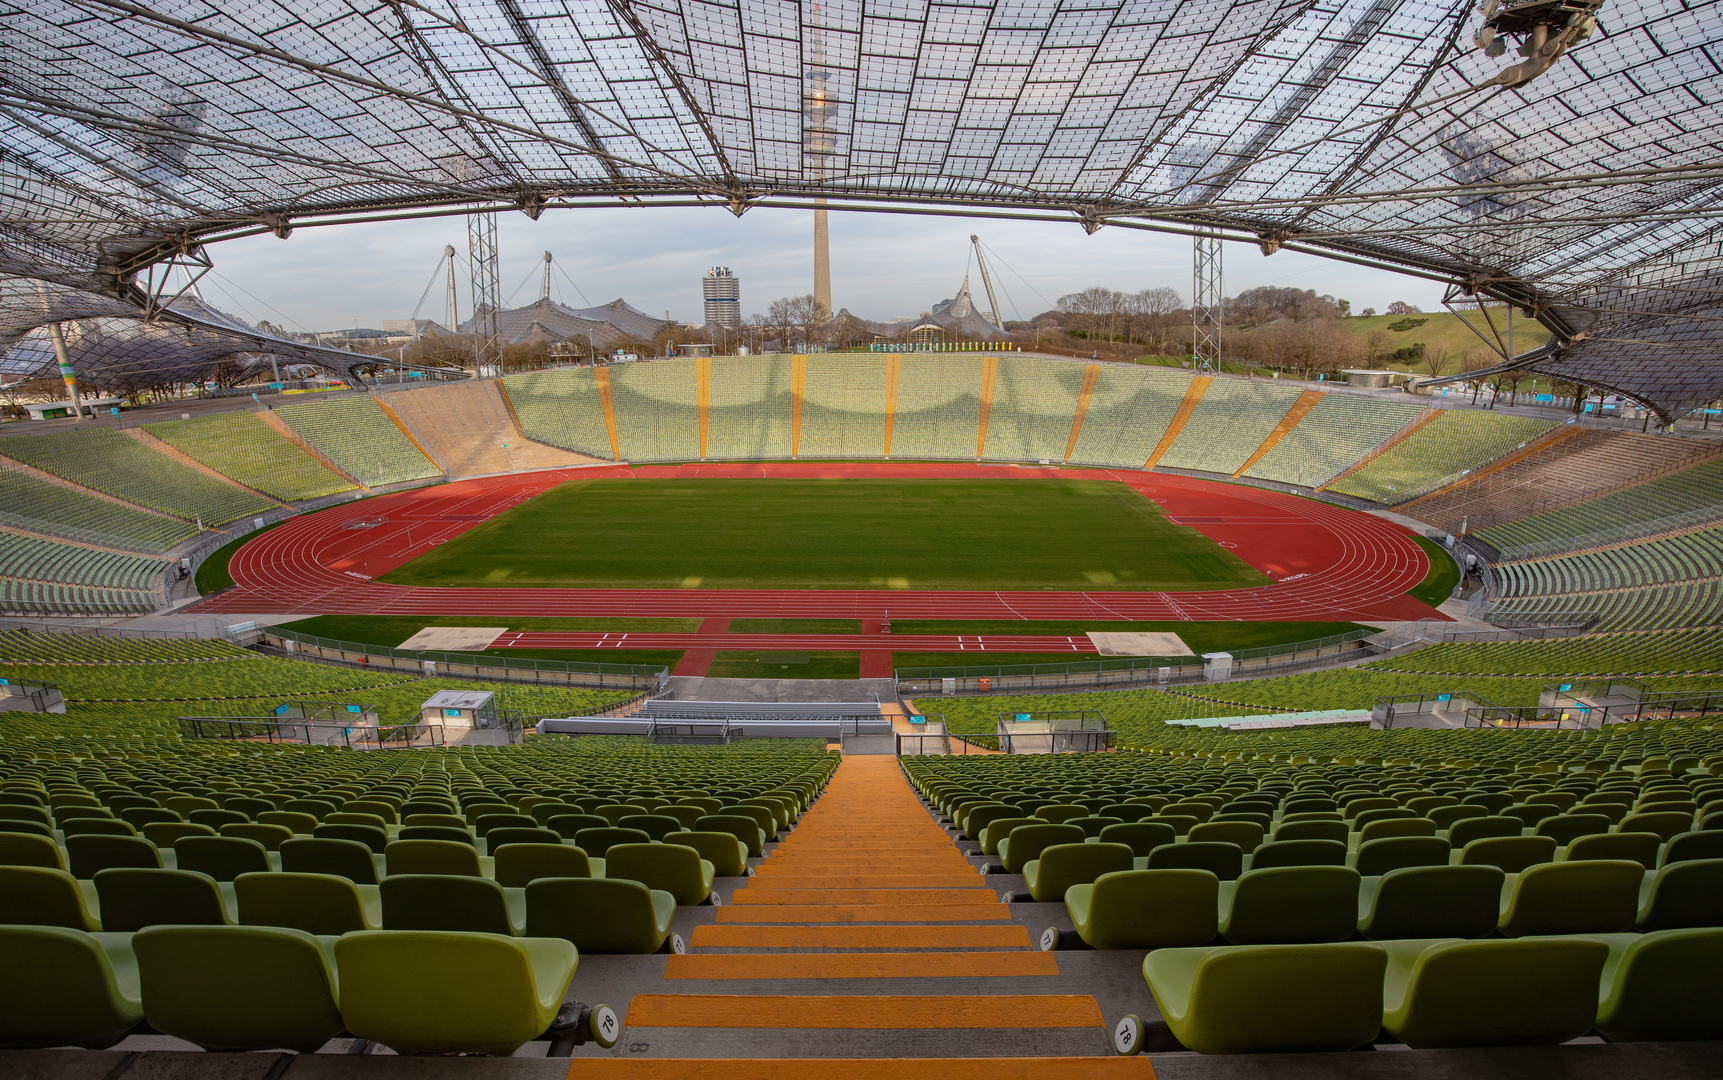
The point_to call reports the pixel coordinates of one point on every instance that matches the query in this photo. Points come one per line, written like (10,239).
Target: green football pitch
(833,534)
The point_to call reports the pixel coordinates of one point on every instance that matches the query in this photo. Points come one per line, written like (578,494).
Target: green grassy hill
(1438,328)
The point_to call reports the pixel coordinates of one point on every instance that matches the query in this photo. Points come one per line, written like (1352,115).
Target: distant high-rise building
(723,293)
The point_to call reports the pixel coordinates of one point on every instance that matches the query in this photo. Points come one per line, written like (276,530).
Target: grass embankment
(1438,585)
(833,534)
(212,573)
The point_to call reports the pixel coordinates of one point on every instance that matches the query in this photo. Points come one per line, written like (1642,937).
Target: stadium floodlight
(1546,29)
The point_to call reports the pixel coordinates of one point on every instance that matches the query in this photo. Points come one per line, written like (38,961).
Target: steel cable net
(1371,129)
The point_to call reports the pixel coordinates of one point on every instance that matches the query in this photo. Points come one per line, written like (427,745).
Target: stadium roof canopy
(1373,130)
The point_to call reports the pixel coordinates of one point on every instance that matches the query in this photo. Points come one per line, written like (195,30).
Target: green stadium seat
(1662,986)
(1466,830)
(95,827)
(1059,813)
(1145,909)
(327,904)
(1247,835)
(1378,857)
(438,993)
(133,898)
(728,855)
(1290,905)
(657,826)
(1313,830)
(1491,993)
(518,865)
(1092,826)
(67,987)
(1269,998)
(1027,842)
(89,854)
(1640,847)
(222,857)
(598,842)
(600,915)
(433,857)
(1511,853)
(45,896)
(1683,896)
(327,855)
(1595,896)
(671,868)
(1060,866)
(239,987)
(1431,902)
(1141,837)
(1667,825)
(26,828)
(21,849)
(1299,853)
(444,834)
(741,826)
(372,837)
(451,902)
(1223,860)
(1566,828)
(999,828)
(1686,846)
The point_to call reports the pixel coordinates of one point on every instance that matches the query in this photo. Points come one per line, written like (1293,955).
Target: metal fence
(1124,670)
(638,678)
(213,629)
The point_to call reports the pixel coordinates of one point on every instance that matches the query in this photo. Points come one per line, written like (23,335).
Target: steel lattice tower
(1207,296)
(487,289)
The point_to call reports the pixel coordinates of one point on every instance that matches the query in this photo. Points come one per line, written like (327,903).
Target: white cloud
(883,265)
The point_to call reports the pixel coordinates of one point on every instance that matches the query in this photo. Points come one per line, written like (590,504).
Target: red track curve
(1326,563)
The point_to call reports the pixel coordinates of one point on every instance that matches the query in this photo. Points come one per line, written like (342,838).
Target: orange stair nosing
(912,965)
(1072,1068)
(860,937)
(863,1012)
(862,913)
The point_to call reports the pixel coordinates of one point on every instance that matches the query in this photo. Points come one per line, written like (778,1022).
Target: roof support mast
(986,283)
(454,318)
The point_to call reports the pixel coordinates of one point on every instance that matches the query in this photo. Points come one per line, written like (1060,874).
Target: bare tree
(781,316)
(809,317)
(1158,307)
(1375,347)
(1435,358)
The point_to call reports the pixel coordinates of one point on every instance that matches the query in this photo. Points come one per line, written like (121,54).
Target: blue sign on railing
(1444,697)
(354,708)
(1022,716)
(5,682)
(1565,686)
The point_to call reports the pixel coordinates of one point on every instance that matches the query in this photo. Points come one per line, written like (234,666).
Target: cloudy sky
(883,265)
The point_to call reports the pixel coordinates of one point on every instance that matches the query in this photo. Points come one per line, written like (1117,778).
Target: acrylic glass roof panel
(1363,127)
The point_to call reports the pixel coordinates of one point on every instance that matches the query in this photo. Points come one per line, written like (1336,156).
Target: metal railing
(42,696)
(214,630)
(272,729)
(634,677)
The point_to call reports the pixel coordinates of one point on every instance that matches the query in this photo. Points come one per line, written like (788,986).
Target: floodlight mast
(487,290)
(1207,300)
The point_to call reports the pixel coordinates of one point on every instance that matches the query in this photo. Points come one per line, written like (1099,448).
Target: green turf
(869,534)
(795,626)
(749,664)
(212,575)
(391,630)
(1438,585)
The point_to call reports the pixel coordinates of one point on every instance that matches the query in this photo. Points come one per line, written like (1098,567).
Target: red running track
(1325,563)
